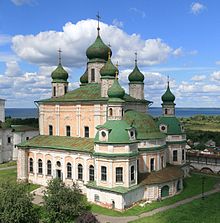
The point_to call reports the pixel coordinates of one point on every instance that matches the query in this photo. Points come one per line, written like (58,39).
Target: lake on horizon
(154,111)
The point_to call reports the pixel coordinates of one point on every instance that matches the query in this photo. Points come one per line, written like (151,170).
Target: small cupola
(136,76)
(116,91)
(59,80)
(108,70)
(84,78)
(59,75)
(168,96)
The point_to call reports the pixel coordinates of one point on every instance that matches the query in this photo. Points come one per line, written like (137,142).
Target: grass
(192,186)
(197,211)
(11,175)
(8,164)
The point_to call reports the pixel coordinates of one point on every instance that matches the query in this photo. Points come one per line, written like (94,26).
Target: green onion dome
(136,75)
(108,69)
(116,91)
(84,77)
(168,96)
(59,74)
(98,50)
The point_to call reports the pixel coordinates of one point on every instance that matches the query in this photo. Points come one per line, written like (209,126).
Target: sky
(175,38)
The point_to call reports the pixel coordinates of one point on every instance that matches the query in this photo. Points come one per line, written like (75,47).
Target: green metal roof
(118,132)
(117,190)
(23,128)
(144,124)
(172,123)
(59,142)
(116,91)
(59,75)
(136,75)
(108,69)
(98,50)
(84,77)
(168,96)
(87,93)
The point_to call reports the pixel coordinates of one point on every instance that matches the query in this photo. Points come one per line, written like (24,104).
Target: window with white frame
(103,173)
(119,174)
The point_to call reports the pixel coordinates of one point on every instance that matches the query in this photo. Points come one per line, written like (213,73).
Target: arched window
(91,173)
(50,130)
(65,89)
(86,133)
(80,172)
(152,164)
(166,111)
(110,112)
(54,91)
(40,166)
(132,173)
(92,75)
(174,155)
(49,171)
(31,168)
(69,170)
(67,130)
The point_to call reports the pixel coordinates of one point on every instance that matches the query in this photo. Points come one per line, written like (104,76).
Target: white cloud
(23,2)
(42,48)
(193,52)
(178,52)
(217,62)
(215,76)
(12,69)
(117,23)
(197,8)
(198,78)
(138,11)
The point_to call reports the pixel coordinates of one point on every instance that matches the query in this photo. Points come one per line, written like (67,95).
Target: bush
(62,203)
(87,217)
(16,204)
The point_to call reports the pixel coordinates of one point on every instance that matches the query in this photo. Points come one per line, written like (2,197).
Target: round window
(163,128)
(103,134)
(58,163)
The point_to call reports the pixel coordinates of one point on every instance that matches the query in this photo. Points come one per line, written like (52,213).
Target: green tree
(62,203)
(16,204)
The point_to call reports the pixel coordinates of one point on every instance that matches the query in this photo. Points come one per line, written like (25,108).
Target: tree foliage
(16,204)
(87,217)
(62,203)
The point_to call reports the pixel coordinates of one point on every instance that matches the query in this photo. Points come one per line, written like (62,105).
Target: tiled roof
(22,128)
(167,174)
(87,92)
(59,142)
(144,124)
(172,123)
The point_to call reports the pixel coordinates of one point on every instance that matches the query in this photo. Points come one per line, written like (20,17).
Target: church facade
(104,139)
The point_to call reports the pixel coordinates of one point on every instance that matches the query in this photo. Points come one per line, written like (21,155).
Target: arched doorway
(165,191)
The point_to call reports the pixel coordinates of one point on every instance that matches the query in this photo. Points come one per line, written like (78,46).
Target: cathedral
(104,139)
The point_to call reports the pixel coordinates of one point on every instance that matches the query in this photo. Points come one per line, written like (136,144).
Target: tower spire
(116,73)
(98,18)
(59,56)
(135,58)
(168,81)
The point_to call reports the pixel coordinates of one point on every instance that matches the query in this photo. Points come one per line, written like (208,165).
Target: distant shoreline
(154,111)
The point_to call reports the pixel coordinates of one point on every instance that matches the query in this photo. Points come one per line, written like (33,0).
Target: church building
(104,139)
